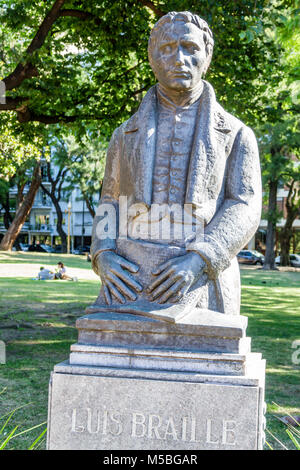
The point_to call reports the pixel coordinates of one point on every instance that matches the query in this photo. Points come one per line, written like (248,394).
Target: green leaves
(6,435)
(85,162)
(85,63)
(14,152)
(252,32)
(92,66)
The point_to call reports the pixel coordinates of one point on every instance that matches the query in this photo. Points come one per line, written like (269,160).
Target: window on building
(44,198)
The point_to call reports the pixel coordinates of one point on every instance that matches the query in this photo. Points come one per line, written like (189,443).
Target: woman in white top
(62,273)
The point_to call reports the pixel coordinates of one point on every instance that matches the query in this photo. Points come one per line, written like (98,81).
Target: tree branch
(89,205)
(28,70)
(151,6)
(11,104)
(58,176)
(46,191)
(62,176)
(49,173)
(82,15)
(26,115)
(20,73)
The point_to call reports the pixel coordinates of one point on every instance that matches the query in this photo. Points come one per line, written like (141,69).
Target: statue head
(180,50)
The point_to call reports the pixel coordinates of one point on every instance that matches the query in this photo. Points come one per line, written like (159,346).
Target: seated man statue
(182,189)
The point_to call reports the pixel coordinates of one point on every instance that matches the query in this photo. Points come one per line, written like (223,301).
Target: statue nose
(179,57)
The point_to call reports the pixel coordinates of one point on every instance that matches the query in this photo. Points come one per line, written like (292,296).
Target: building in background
(40,226)
(258,242)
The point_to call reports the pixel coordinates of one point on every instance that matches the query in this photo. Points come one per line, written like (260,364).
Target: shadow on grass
(72,261)
(270,278)
(29,292)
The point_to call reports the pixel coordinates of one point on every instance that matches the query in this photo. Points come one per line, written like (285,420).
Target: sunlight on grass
(271,301)
(72,261)
(27,342)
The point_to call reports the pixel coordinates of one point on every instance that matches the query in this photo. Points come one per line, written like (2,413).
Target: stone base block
(201,330)
(136,383)
(161,359)
(129,409)
(204,342)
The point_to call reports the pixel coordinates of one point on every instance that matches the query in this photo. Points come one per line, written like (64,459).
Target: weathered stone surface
(202,330)
(136,382)
(159,359)
(2,352)
(186,392)
(96,412)
(255,373)
(180,148)
(178,372)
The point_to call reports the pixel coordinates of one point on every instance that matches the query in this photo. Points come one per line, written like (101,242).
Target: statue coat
(223,184)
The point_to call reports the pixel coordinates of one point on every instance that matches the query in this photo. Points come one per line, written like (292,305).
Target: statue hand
(175,277)
(113,270)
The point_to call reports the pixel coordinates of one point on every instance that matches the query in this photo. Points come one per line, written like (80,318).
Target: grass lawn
(72,261)
(37,324)
(271,301)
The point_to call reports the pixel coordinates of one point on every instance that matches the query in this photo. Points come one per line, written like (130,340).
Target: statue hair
(186,17)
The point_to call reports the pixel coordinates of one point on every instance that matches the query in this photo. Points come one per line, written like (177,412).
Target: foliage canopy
(84,64)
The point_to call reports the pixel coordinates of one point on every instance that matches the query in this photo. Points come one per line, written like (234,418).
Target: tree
(85,63)
(279,135)
(290,37)
(20,181)
(293,210)
(20,155)
(86,164)
(277,143)
(56,173)
(4,203)
(17,147)
(22,211)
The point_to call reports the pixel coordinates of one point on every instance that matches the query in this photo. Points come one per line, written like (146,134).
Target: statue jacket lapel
(213,135)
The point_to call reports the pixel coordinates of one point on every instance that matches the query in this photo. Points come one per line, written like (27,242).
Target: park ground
(37,323)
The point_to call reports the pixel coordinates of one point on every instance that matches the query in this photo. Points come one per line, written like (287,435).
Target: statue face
(179,58)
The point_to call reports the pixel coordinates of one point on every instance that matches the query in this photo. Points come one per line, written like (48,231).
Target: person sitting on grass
(45,274)
(62,273)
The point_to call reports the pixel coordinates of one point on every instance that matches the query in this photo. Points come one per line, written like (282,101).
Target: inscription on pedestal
(120,413)
(153,426)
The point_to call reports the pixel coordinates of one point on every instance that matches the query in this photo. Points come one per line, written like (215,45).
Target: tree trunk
(286,234)
(271,229)
(294,242)
(22,211)
(7,218)
(89,205)
(59,223)
(285,241)
(20,194)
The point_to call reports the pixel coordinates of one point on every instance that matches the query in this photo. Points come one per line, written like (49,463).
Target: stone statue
(198,166)
(162,359)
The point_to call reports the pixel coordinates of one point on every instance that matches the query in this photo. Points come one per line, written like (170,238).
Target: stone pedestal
(137,383)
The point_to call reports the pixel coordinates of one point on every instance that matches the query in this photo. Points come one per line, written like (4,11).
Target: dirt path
(31,271)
